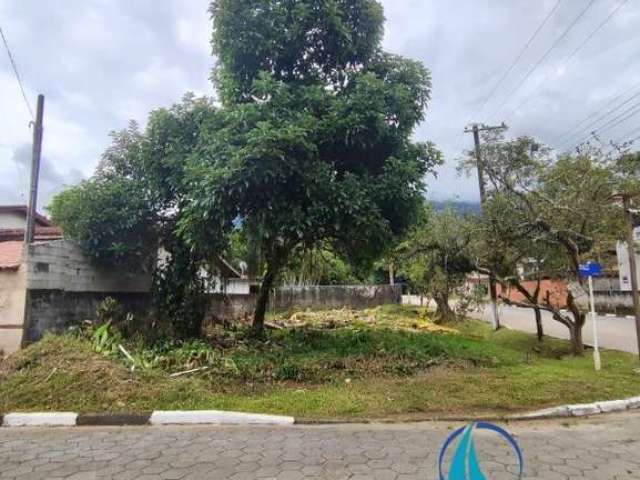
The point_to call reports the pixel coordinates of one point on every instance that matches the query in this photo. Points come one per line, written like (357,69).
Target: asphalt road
(617,333)
(605,447)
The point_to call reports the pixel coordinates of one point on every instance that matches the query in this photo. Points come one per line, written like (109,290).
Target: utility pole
(476,129)
(35,172)
(626,204)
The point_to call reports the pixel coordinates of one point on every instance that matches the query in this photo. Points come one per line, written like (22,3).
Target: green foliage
(318,266)
(105,339)
(129,209)
(302,42)
(547,213)
(179,293)
(110,220)
(311,149)
(436,257)
(392,373)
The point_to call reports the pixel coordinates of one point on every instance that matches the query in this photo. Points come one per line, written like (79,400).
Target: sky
(100,63)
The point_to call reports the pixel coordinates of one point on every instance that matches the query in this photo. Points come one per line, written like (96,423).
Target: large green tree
(312,144)
(128,210)
(310,147)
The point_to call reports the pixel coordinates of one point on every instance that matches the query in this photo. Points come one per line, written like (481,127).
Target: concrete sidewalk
(601,448)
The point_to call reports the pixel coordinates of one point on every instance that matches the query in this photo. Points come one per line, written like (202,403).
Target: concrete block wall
(57,310)
(64,288)
(616,302)
(237,307)
(62,265)
(336,296)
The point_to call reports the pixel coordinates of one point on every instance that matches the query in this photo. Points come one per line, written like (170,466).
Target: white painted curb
(48,419)
(613,406)
(581,409)
(203,417)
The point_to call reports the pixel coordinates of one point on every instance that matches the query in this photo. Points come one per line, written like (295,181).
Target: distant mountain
(457,205)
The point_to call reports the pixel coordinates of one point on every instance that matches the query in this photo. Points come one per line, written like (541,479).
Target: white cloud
(101,62)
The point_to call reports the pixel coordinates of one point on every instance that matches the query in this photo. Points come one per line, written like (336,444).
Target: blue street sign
(590,269)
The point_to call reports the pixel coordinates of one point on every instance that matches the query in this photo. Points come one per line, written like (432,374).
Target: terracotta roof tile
(10,255)
(41,233)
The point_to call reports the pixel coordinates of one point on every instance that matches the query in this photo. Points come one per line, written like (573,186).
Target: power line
(627,135)
(517,59)
(572,55)
(571,132)
(16,73)
(580,132)
(543,57)
(635,109)
(511,67)
(620,118)
(596,30)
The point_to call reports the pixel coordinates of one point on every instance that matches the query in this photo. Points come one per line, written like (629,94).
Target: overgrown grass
(389,361)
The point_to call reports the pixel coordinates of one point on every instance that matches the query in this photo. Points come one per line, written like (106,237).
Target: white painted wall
(12,297)
(12,220)
(624,268)
(232,286)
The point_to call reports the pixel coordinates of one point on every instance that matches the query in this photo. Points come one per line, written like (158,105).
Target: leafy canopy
(310,148)
(547,213)
(313,142)
(436,257)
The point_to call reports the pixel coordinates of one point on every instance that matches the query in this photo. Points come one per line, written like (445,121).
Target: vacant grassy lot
(385,362)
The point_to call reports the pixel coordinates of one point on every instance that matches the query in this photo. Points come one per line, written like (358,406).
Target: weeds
(379,364)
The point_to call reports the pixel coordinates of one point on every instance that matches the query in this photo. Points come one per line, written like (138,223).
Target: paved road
(605,447)
(617,333)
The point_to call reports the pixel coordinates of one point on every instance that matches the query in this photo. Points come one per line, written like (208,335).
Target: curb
(580,409)
(216,417)
(219,417)
(157,417)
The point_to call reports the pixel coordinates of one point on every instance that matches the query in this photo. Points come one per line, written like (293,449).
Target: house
(229,281)
(12,295)
(13,270)
(624,266)
(13,222)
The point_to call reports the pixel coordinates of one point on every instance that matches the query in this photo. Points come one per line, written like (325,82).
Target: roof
(40,219)
(40,234)
(226,269)
(10,255)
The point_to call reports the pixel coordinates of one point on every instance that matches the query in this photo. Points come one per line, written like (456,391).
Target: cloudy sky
(102,62)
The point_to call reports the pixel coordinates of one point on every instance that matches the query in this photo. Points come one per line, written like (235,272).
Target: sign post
(590,270)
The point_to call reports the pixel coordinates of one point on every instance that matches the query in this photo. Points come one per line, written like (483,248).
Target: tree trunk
(443,310)
(575,332)
(263,299)
(539,330)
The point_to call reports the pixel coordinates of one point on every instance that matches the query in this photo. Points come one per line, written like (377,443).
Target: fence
(64,287)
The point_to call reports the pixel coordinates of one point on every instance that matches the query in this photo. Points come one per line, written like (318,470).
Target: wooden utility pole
(476,129)
(633,275)
(35,172)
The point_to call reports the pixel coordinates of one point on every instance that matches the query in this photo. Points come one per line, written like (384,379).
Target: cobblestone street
(606,447)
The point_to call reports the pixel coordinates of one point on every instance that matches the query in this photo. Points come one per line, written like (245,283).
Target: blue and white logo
(465,464)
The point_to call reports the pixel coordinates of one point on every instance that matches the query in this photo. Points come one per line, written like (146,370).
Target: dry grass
(383,362)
